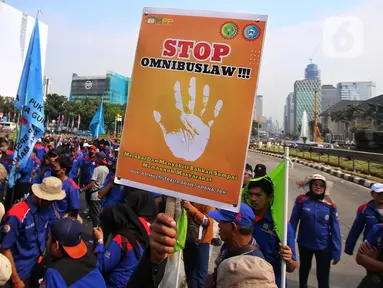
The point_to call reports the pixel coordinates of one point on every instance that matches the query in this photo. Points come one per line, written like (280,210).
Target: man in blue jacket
(77,162)
(367,216)
(260,196)
(24,231)
(73,264)
(24,183)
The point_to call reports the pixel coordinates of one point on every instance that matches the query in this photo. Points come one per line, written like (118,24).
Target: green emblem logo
(229,30)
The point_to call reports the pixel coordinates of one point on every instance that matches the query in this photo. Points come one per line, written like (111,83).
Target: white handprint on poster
(189,142)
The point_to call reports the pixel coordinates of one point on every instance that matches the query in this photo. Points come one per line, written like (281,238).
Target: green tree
(54,105)
(7,105)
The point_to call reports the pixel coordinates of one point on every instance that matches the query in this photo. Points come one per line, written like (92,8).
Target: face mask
(55,173)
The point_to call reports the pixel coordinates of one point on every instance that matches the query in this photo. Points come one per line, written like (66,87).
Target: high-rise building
(312,72)
(361,91)
(304,101)
(329,96)
(15,33)
(289,119)
(47,85)
(112,87)
(285,119)
(258,107)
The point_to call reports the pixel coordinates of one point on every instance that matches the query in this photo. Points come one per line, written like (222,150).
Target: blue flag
(96,126)
(30,102)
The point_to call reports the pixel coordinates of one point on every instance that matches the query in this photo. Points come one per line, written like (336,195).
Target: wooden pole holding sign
(170,206)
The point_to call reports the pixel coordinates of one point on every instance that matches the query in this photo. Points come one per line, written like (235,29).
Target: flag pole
(98,124)
(285,211)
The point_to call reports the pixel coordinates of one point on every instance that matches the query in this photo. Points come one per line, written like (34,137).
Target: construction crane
(312,57)
(317,136)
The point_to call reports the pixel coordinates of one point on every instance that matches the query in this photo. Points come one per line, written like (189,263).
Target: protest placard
(191,102)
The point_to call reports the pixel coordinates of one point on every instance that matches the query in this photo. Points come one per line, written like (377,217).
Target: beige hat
(5,270)
(3,173)
(306,183)
(245,271)
(50,189)
(2,211)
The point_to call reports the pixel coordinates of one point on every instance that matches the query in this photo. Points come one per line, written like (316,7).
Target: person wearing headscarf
(319,230)
(142,203)
(127,224)
(248,174)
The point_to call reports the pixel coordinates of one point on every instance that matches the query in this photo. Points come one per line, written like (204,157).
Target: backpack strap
(124,243)
(378,216)
(124,250)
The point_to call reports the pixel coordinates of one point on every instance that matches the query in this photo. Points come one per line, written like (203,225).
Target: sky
(90,37)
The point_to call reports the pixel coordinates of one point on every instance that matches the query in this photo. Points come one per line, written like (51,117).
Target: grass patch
(371,171)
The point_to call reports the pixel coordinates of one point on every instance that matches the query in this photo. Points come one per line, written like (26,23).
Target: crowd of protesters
(42,227)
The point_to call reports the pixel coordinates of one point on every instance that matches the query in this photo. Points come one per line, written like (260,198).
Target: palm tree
(337,116)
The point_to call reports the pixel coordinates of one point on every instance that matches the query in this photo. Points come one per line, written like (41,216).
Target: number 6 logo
(343,37)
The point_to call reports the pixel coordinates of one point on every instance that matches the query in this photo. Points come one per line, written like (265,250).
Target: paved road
(348,197)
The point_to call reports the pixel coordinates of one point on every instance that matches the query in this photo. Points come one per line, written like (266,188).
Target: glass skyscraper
(304,101)
(312,72)
(112,87)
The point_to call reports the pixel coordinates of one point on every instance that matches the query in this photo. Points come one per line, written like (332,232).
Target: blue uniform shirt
(319,225)
(48,172)
(375,237)
(109,154)
(53,279)
(77,162)
(115,194)
(36,177)
(7,160)
(72,198)
(366,217)
(26,173)
(116,267)
(18,234)
(88,166)
(268,241)
(40,151)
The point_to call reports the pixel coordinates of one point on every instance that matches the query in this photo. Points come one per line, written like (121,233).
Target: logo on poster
(251,32)
(229,30)
(155,20)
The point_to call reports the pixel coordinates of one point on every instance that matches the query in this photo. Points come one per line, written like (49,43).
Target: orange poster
(191,103)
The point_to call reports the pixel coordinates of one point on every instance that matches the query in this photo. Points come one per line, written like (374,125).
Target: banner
(30,101)
(78,121)
(190,108)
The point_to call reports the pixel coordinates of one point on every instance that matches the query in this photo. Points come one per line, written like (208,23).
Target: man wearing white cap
(24,230)
(367,216)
